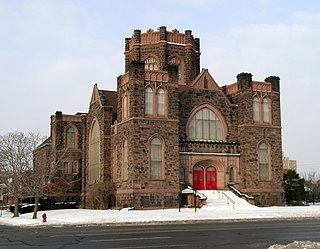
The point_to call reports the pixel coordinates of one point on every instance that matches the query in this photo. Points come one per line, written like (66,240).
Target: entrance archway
(198,177)
(211,178)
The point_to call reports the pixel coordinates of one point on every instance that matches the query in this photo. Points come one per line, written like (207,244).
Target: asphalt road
(254,234)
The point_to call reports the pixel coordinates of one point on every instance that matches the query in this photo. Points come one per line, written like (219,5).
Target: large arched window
(148,101)
(125,159)
(156,159)
(263,152)
(160,102)
(205,125)
(151,64)
(265,110)
(71,138)
(94,171)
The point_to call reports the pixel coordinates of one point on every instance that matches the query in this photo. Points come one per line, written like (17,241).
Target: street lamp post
(195,200)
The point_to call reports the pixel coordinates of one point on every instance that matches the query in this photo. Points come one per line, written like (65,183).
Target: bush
(24,208)
(297,203)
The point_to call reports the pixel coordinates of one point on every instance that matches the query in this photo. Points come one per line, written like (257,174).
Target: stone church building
(169,125)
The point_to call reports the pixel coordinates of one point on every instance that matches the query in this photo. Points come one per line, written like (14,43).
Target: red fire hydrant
(44,217)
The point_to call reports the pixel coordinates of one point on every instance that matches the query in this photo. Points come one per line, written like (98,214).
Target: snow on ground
(218,207)
(298,245)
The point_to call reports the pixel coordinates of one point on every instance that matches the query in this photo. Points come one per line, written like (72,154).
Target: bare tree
(35,185)
(16,159)
(311,182)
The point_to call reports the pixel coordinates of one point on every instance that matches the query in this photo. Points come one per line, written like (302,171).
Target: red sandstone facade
(168,126)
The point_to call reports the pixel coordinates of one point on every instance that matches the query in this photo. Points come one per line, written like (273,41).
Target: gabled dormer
(204,81)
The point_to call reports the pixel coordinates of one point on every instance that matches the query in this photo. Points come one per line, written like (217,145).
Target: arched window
(256,110)
(176,61)
(156,159)
(115,164)
(160,102)
(231,174)
(125,159)
(263,152)
(205,125)
(95,153)
(205,83)
(265,110)
(182,175)
(125,100)
(71,138)
(148,101)
(150,64)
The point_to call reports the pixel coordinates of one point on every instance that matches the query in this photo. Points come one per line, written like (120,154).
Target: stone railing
(209,147)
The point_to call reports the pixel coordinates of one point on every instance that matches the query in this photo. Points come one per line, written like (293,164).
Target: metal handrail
(237,192)
(228,199)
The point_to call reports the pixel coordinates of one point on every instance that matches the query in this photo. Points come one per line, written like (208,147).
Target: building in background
(167,126)
(289,164)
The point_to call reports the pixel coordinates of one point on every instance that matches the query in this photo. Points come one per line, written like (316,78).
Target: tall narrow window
(176,61)
(205,83)
(150,64)
(74,168)
(156,159)
(95,153)
(205,125)
(125,105)
(160,102)
(265,109)
(66,168)
(116,169)
(71,138)
(231,174)
(256,110)
(125,160)
(263,153)
(182,177)
(148,101)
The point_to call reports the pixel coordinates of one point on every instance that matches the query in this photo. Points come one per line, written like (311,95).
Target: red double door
(204,177)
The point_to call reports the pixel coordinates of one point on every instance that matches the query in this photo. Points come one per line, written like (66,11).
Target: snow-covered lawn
(217,208)
(91,217)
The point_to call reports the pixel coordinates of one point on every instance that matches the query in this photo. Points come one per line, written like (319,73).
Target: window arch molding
(156,157)
(264,160)
(94,151)
(223,123)
(71,137)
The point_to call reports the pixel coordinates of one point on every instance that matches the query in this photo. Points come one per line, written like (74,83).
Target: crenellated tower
(160,48)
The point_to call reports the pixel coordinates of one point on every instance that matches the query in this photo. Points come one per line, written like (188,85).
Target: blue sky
(52,53)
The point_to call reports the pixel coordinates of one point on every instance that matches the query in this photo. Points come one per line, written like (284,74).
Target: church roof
(109,98)
(105,97)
